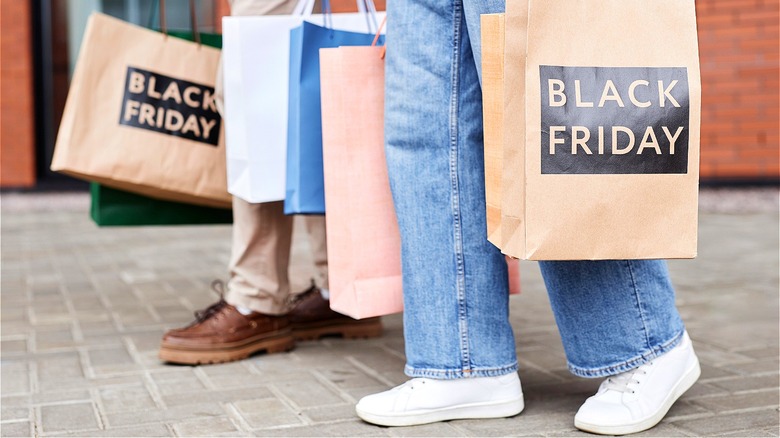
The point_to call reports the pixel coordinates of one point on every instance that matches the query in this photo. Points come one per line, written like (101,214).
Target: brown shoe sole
(180,355)
(346,328)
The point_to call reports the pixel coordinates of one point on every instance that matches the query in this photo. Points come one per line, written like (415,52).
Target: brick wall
(738,41)
(17,135)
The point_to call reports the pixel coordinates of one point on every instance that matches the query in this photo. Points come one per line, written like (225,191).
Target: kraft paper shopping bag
(605,162)
(256,78)
(492,27)
(305,187)
(364,254)
(512,229)
(140,115)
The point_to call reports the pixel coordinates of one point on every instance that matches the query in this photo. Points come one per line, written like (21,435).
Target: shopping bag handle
(379,32)
(365,7)
(193,21)
(303,8)
(376,38)
(371,15)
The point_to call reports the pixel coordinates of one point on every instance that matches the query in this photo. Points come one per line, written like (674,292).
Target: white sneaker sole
(683,384)
(499,409)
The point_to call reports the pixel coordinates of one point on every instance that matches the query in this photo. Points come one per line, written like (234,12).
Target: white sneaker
(638,399)
(421,401)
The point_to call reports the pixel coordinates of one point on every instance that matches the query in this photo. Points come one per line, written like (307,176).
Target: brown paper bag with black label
(492,28)
(609,165)
(512,234)
(140,115)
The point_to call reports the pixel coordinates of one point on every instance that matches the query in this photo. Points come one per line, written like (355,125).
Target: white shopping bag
(256,56)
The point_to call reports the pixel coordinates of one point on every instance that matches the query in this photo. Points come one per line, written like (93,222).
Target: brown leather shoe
(222,334)
(312,318)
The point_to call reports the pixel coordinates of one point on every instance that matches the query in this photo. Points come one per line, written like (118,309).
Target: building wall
(738,41)
(17,134)
(739,63)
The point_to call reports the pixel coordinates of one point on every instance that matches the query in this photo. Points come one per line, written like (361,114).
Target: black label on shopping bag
(614,120)
(171,106)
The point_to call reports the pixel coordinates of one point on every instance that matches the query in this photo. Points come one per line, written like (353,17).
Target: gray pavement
(83,310)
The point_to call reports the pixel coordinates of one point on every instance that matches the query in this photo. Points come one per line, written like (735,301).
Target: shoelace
(622,382)
(295,299)
(202,315)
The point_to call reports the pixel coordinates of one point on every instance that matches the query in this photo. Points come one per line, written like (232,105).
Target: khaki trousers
(260,260)
(262,233)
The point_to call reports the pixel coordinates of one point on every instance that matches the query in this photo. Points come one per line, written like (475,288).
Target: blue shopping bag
(305,188)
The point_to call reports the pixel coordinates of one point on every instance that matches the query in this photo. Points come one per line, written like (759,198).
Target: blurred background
(41,38)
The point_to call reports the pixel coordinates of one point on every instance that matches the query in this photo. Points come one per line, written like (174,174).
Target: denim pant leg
(613,315)
(455,283)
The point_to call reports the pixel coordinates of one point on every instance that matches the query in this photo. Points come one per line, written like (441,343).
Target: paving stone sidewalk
(83,310)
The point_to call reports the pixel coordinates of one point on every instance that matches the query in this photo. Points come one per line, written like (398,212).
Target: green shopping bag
(112,207)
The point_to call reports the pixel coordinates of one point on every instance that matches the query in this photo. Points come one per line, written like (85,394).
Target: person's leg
(618,318)
(257,312)
(251,316)
(459,344)
(311,316)
(613,315)
(315,226)
(455,282)
(260,256)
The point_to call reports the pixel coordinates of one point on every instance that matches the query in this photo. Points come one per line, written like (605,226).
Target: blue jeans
(612,315)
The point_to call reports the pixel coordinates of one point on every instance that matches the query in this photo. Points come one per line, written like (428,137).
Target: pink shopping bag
(364,244)
(364,254)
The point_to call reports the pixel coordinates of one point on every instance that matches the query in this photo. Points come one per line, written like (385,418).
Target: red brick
(759,126)
(704,21)
(751,153)
(710,152)
(758,44)
(739,113)
(759,72)
(740,169)
(17,141)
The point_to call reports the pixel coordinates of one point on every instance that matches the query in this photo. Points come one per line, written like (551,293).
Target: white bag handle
(365,7)
(371,15)
(304,8)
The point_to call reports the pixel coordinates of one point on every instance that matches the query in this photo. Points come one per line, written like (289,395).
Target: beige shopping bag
(492,26)
(140,115)
(364,254)
(602,117)
(512,230)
